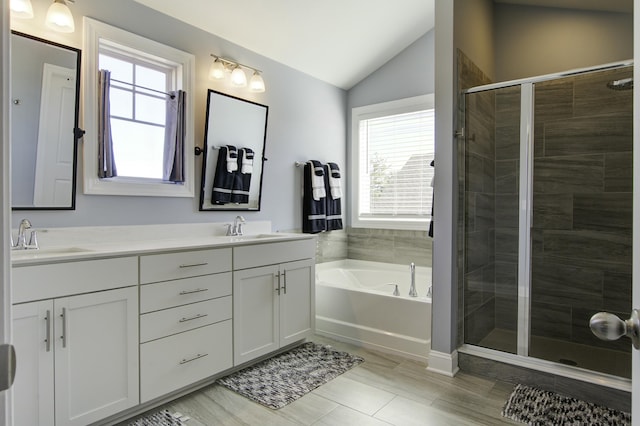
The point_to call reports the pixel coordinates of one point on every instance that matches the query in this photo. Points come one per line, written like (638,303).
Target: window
(391,159)
(143,72)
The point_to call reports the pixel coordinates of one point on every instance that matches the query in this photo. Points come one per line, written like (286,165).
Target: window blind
(395,165)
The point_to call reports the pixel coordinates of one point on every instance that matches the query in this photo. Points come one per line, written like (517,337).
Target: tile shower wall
(476,270)
(582,206)
(377,245)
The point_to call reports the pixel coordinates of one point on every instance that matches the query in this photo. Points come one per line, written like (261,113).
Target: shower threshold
(593,358)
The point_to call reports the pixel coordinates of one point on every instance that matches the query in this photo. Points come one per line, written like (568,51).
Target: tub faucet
(412,289)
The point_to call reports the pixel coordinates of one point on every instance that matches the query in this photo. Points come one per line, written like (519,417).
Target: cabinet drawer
(273,253)
(164,323)
(171,266)
(176,361)
(53,280)
(168,294)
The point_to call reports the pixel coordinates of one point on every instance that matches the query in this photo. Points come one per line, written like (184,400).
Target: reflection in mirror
(44,121)
(235,137)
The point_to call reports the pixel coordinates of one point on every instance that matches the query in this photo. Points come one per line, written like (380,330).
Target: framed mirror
(45,86)
(235,138)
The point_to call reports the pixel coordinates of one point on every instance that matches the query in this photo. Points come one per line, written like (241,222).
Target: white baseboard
(443,363)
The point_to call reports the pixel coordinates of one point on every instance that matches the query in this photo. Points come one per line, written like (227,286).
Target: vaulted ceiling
(337,41)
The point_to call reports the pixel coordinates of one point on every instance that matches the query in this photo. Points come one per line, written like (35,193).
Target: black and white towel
(314,213)
(223,178)
(333,198)
(242,178)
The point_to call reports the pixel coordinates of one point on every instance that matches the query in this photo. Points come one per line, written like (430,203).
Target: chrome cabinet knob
(607,326)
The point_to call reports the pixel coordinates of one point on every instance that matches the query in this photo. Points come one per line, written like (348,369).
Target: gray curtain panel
(173,168)
(106,160)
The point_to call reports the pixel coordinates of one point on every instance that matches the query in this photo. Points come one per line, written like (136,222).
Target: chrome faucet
(21,244)
(236,229)
(412,289)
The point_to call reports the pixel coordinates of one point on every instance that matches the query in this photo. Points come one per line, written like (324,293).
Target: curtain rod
(144,88)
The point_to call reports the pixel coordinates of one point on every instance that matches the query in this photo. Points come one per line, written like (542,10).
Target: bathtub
(355,303)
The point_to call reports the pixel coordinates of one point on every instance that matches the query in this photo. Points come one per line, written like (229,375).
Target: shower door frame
(525,221)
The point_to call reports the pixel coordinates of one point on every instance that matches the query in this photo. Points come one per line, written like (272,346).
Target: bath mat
(284,378)
(159,418)
(537,407)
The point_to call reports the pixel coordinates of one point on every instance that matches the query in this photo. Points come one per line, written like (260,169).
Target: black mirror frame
(259,156)
(77,133)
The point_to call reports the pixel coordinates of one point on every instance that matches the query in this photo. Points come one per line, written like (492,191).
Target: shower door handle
(607,326)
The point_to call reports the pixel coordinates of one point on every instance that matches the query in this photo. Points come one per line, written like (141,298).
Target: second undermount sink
(255,236)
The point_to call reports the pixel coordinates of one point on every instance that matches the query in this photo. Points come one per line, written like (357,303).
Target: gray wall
(532,41)
(306,120)
(408,74)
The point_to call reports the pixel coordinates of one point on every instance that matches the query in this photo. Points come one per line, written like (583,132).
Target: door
(33,387)
(54,160)
(96,365)
(255,313)
(297,301)
(5,212)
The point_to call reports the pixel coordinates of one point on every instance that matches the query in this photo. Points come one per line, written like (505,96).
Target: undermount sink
(53,251)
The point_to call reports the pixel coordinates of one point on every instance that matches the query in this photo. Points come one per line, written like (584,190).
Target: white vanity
(117,320)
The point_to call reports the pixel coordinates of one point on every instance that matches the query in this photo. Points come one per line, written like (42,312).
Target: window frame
(358,114)
(96,32)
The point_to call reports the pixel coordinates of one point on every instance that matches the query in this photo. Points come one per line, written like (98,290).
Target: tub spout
(412,289)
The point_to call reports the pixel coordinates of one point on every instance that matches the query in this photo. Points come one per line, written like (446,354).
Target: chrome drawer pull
(184,361)
(197,290)
(193,317)
(194,264)
(63,315)
(47,320)
(284,279)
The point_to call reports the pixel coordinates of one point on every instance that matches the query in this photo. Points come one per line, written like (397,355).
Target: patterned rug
(284,378)
(159,418)
(537,407)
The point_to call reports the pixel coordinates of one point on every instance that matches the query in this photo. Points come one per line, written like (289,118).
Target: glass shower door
(492,150)
(582,215)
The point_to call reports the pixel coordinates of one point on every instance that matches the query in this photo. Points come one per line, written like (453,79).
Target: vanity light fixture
(21,9)
(256,84)
(238,78)
(59,17)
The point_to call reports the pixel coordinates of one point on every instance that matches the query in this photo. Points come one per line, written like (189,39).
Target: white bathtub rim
(353,264)
(383,341)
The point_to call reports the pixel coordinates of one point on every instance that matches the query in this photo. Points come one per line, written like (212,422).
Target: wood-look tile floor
(384,390)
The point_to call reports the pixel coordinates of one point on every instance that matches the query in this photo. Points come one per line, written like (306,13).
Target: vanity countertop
(70,244)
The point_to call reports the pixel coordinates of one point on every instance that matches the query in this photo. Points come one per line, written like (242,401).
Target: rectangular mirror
(44,123)
(234,181)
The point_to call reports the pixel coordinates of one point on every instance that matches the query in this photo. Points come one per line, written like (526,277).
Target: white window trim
(94,31)
(400,106)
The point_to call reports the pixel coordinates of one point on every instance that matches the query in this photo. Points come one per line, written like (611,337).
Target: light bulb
(256,84)
(59,17)
(216,71)
(238,77)
(21,9)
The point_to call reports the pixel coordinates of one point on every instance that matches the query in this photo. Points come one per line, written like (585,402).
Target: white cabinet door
(34,384)
(255,313)
(297,301)
(96,365)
